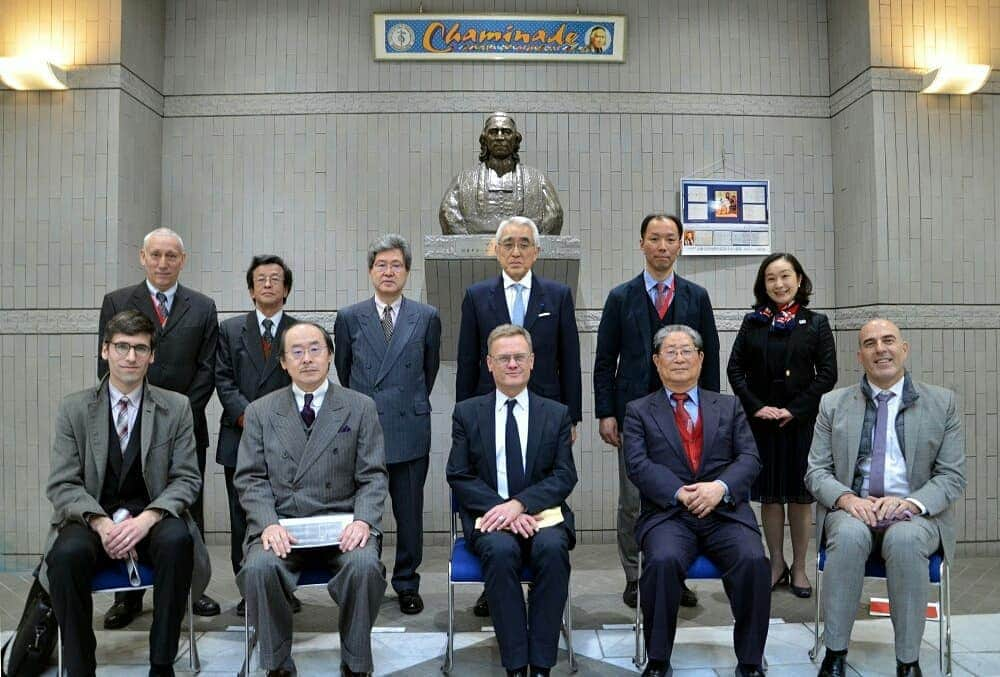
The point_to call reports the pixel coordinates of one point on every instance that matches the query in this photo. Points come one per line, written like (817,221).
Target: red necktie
(664,295)
(686,428)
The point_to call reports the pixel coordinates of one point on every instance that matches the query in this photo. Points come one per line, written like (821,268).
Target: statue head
(499,139)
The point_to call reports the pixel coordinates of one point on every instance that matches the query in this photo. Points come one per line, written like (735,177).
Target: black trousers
(406,487)
(669,548)
(526,636)
(74,558)
(237,521)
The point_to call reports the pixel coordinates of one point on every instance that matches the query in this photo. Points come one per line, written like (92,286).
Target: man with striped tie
(187,330)
(543,307)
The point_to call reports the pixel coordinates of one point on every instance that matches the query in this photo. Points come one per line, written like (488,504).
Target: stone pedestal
(453,262)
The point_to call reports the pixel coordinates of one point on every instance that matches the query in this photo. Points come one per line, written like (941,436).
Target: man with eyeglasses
(187,330)
(312,448)
(543,307)
(246,368)
(633,312)
(125,448)
(511,459)
(389,348)
(692,456)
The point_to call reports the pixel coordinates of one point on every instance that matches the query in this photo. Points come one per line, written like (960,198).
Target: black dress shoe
(783,579)
(804,592)
(749,671)
(834,664)
(520,672)
(631,594)
(241,608)
(206,606)
(296,604)
(656,669)
(908,669)
(161,671)
(121,614)
(280,672)
(482,608)
(410,602)
(536,671)
(688,596)
(347,672)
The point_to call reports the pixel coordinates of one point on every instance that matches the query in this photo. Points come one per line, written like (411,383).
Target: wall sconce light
(966,78)
(18,72)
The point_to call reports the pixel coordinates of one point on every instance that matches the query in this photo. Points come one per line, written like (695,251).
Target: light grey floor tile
(985,663)
(586,643)
(617,643)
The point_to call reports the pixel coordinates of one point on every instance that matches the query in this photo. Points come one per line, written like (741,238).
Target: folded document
(546,518)
(319,531)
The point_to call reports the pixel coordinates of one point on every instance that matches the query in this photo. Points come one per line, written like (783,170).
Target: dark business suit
(184,355)
(242,375)
(550,476)
(623,371)
(399,376)
(671,537)
(549,317)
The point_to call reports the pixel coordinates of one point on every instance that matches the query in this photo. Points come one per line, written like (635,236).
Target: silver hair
(505,331)
(387,243)
(163,232)
(661,336)
(519,221)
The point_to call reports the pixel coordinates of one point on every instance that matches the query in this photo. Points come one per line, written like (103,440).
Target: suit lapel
(143,302)
(329,419)
(663,415)
(498,303)
(536,302)
(251,340)
(372,328)
(287,423)
(536,423)
(709,405)
(179,307)
(99,430)
(487,435)
(855,421)
(637,314)
(272,362)
(405,323)
(681,299)
(148,423)
(912,434)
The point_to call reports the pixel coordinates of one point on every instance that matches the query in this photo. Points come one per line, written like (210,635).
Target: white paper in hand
(319,531)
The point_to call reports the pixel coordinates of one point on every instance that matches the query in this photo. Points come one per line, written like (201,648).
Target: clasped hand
(871,510)
(779,414)
(509,516)
(119,540)
(701,498)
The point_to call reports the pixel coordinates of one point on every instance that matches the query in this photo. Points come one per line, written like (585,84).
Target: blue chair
(114,578)
(464,568)
(939,576)
(701,569)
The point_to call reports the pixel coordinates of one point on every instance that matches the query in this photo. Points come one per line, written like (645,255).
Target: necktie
(512,447)
(121,423)
(308,415)
(664,295)
(387,323)
(162,312)
(267,338)
(517,315)
(876,475)
(685,426)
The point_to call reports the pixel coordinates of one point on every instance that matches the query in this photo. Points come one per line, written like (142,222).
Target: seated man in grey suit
(312,448)
(511,458)
(124,476)
(886,465)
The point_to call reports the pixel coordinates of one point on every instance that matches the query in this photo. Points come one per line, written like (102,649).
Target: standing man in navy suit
(511,458)
(246,368)
(389,348)
(623,371)
(692,455)
(187,329)
(543,307)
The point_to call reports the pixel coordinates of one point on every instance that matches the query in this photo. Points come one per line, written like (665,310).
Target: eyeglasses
(122,349)
(315,350)
(510,245)
(519,358)
(395,266)
(264,279)
(686,353)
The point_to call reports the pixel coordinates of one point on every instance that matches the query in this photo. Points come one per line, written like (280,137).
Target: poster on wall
(724,217)
(497,37)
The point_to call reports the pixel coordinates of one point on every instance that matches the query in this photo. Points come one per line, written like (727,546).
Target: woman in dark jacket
(782,362)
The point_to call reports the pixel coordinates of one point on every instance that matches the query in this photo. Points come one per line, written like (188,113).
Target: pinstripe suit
(282,471)
(399,375)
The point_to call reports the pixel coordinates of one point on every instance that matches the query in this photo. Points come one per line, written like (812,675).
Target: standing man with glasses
(247,368)
(389,348)
(312,448)
(543,307)
(623,370)
(187,330)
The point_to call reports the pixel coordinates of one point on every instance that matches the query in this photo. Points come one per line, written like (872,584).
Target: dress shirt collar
(651,281)
(276,318)
(318,396)
(509,282)
(115,395)
(153,291)
(692,394)
(521,397)
(896,388)
(395,305)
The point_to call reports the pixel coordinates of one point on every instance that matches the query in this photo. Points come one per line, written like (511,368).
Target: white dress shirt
(500,435)
(511,294)
(134,400)
(318,395)
(153,291)
(393,309)
(276,318)
(896,477)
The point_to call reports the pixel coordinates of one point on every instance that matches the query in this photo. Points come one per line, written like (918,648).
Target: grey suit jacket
(934,449)
(398,376)
(79,459)
(340,467)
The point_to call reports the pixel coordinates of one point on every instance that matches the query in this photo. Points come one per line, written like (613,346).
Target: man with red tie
(693,458)
(186,336)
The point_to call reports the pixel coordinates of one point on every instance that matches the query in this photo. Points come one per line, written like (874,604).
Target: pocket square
(345,429)
(544,314)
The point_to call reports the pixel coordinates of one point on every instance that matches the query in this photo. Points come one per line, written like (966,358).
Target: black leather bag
(31,646)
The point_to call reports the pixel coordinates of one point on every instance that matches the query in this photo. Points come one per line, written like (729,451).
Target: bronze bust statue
(480,197)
